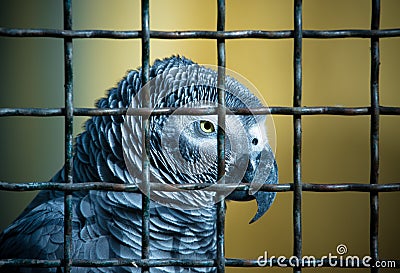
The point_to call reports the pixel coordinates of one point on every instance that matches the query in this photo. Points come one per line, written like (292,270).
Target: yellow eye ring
(207,126)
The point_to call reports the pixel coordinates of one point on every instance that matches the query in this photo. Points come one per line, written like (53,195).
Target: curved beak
(259,172)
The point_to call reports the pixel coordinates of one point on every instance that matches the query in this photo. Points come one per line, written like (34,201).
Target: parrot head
(183,147)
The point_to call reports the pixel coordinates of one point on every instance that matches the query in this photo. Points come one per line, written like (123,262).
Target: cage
(328,70)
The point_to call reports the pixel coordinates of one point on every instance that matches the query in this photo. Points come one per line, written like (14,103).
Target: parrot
(182,149)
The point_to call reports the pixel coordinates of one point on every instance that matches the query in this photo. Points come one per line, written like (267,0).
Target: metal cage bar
(374,134)
(202,34)
(273,110)
(145,135)
(288,187)
(297,111)
(297,132)
(220,221)
(69,112)
(176,262)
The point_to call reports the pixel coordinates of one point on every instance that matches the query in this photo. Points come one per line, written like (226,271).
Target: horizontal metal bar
(275,110)
(34,186)
(198,34)
(30,262)
(229,262)
(34,112)
(109,262)
(104,186)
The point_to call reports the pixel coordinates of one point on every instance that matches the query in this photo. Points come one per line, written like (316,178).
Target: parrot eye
(207,126)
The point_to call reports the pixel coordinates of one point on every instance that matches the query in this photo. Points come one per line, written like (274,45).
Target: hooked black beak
(256,168)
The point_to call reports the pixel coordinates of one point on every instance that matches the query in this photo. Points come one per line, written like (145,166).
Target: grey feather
(107,225)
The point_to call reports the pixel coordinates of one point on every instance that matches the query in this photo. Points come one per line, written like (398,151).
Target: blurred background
(335,73)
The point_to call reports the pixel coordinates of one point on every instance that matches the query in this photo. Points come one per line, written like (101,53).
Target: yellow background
(335,73)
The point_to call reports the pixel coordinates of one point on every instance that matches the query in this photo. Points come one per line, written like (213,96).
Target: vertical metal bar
(221,137)
(374,133)
(69,108)
(297,128)
(145,135)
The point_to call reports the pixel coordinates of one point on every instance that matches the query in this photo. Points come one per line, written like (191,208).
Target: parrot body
(107,224)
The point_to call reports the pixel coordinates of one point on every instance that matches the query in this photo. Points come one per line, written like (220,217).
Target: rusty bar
(220,221)
(273,110)
(69,110)
(374,134)
(109,186)
(201,34)
(297,132)
(230,262)
(145,38)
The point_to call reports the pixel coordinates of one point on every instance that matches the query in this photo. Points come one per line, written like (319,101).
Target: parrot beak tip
(264,201)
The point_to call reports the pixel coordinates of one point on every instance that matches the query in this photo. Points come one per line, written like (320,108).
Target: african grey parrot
(107,224)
